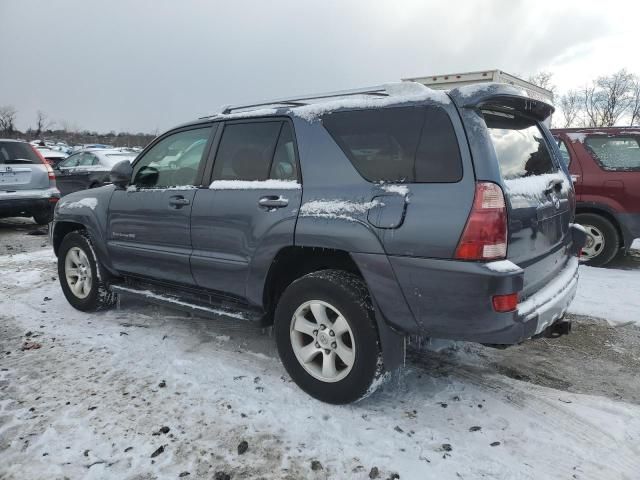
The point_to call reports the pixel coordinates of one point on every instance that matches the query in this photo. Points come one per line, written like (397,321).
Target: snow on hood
(398,93)
(89,202)
(577,136)
(393,188)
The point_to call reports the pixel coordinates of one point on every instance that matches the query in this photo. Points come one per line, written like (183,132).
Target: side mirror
(120,174)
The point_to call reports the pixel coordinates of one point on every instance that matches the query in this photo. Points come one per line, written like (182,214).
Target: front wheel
(327,338)
(82,278)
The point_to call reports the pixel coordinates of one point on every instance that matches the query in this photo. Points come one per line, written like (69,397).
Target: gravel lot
(143,392)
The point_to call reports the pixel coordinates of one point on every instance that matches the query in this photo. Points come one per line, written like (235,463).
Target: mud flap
(392,343)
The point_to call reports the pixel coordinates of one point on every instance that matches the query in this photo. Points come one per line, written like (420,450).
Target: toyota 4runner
(347,221)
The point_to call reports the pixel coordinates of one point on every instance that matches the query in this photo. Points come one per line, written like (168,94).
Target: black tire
(609,233)
(43,218)
(99,296)
(349,295)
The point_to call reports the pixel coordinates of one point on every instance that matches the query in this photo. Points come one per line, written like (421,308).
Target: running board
(193,306)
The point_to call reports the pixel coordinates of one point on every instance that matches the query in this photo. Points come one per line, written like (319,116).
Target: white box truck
(453,80)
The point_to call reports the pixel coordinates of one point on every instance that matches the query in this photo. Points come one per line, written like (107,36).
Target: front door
(250,210)
(149,222)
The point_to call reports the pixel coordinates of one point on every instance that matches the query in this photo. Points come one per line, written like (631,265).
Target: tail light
(505,303)
(485,234)
(50,172)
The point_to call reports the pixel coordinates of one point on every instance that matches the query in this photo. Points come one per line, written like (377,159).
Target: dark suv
(605,167)
(348,222)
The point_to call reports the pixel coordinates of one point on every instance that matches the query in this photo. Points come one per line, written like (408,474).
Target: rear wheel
(82,277)
(603,241)
(327,338)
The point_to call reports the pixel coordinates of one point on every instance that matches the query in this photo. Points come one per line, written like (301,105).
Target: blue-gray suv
(348,221)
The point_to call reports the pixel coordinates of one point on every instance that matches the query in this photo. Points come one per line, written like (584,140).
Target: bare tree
(570,107)
(7,118)
(634,108)
(608,98)
(543,80)
(43,122)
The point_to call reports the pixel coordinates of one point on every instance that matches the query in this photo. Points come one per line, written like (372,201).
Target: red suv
(605,167)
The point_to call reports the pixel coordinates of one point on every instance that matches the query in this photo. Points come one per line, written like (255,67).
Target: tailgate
(538,195)
(21,168)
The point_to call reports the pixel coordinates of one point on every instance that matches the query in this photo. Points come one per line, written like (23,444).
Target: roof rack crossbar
(379,91)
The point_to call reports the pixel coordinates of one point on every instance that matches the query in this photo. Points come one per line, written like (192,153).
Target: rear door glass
(246,151)
(520,146)
(17,153)
(402,144)
(615,153)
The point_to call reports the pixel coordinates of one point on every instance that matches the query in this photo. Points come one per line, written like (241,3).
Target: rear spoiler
(501,97)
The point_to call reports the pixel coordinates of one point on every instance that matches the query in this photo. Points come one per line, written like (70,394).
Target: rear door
(538,195)
(249,212)
(21,168)
(148,227)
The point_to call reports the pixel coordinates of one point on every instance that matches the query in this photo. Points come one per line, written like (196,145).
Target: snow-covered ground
(92,401)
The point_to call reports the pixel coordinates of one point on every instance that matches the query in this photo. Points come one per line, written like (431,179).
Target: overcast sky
(146,65)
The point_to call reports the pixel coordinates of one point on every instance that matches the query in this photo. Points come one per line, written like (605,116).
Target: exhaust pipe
(558,329)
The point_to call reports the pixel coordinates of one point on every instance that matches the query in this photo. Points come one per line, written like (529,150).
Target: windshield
(520,146)
(110,159)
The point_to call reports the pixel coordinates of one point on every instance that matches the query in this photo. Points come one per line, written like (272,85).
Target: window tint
(246,150)
(17,152)
(405,144)
(564,152)
(173,161)
(87,160)
(284,166)
(520,147)
(615,153)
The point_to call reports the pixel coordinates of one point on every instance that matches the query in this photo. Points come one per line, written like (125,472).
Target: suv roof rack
(379,91)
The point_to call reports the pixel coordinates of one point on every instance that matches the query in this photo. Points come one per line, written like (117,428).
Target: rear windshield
(17,152)
(520,146)
(615,153)
(404,144)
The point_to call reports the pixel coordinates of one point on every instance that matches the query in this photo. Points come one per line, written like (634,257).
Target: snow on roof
(400,92)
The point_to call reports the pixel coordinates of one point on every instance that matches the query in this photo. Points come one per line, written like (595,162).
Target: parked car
(88,169)
(53,157)
(27,183)
(347,224)
(605,167)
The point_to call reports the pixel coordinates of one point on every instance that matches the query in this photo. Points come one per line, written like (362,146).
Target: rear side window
(246,151)
(564,152)
(17,152)
(404,144)
(520,146)
(615,153)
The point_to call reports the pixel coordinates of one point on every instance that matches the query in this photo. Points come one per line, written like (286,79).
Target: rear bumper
(453,300)
(27,202)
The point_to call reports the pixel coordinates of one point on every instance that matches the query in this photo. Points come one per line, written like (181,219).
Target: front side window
(615,153)
(402,144)
(72,161)
(172,162)
(519,145)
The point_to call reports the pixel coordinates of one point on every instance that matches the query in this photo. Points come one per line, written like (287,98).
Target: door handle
(555,184)
(178,202)
(273,201)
